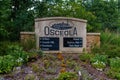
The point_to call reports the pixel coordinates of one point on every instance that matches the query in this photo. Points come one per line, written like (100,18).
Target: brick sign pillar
(60,34)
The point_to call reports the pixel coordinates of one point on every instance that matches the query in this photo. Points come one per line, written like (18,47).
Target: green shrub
(71,64)
(110,43)
(20,55)
(35,67)
(40,53)
(4,48)
(115,64)
(15,56)
(113,74)
(101,58)
(99,65)
(11,55)
(86,56)
(67,76)
(34,54)
(6,63)
(28,44)
(99,61)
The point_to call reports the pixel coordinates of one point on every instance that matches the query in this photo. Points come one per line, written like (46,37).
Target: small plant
(101,58)
(32,56)
(99,61)
(113,74)
(40,52)
(29,77)
(51,71)
(86,57)
(71,64)
(67,76)
(35,67)
(46,63)
(115,64)
(18,53)
(99,65)
(28,44)
(41,69)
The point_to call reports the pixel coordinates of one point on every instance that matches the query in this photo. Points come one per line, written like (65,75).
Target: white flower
(19,59)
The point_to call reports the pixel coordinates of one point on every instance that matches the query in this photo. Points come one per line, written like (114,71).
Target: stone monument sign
(60,34)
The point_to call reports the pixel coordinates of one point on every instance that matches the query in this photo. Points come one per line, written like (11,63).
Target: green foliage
(14,56)
(6,63)
(4,19)
(3,34)
(40,53)
(86,56)
(113,74)
(114,71)
(110,38)
(18,53)
(106,13)
(28,44)
(99,61)
(16,16)
(67,76)
(101,58)
(114,64)
(30,77)
(4,47)
(32,56)
(71,64)
(72,9)
(110,43)
(35,52)
(99,65)
(35,67)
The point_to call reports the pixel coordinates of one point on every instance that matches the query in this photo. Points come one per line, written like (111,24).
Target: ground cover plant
(114,70)
(106,57)
(109,51)
(54,67)
(110,44)
(13,55)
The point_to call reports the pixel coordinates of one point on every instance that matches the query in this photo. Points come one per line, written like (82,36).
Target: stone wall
(25,36)
(93,39)
(69,34)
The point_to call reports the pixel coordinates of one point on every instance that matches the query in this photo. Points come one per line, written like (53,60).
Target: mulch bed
(49,67)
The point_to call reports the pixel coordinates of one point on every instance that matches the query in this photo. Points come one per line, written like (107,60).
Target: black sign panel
(49,43)
(73,42)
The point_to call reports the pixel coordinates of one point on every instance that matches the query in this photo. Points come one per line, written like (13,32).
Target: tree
(22,17)
(106,13)
(71,9)
(4,18)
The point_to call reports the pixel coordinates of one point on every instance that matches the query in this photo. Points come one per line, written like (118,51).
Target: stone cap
(60,18)
(95,34)
(27,32)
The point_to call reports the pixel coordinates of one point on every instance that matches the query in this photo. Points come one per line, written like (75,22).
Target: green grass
(110,44)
